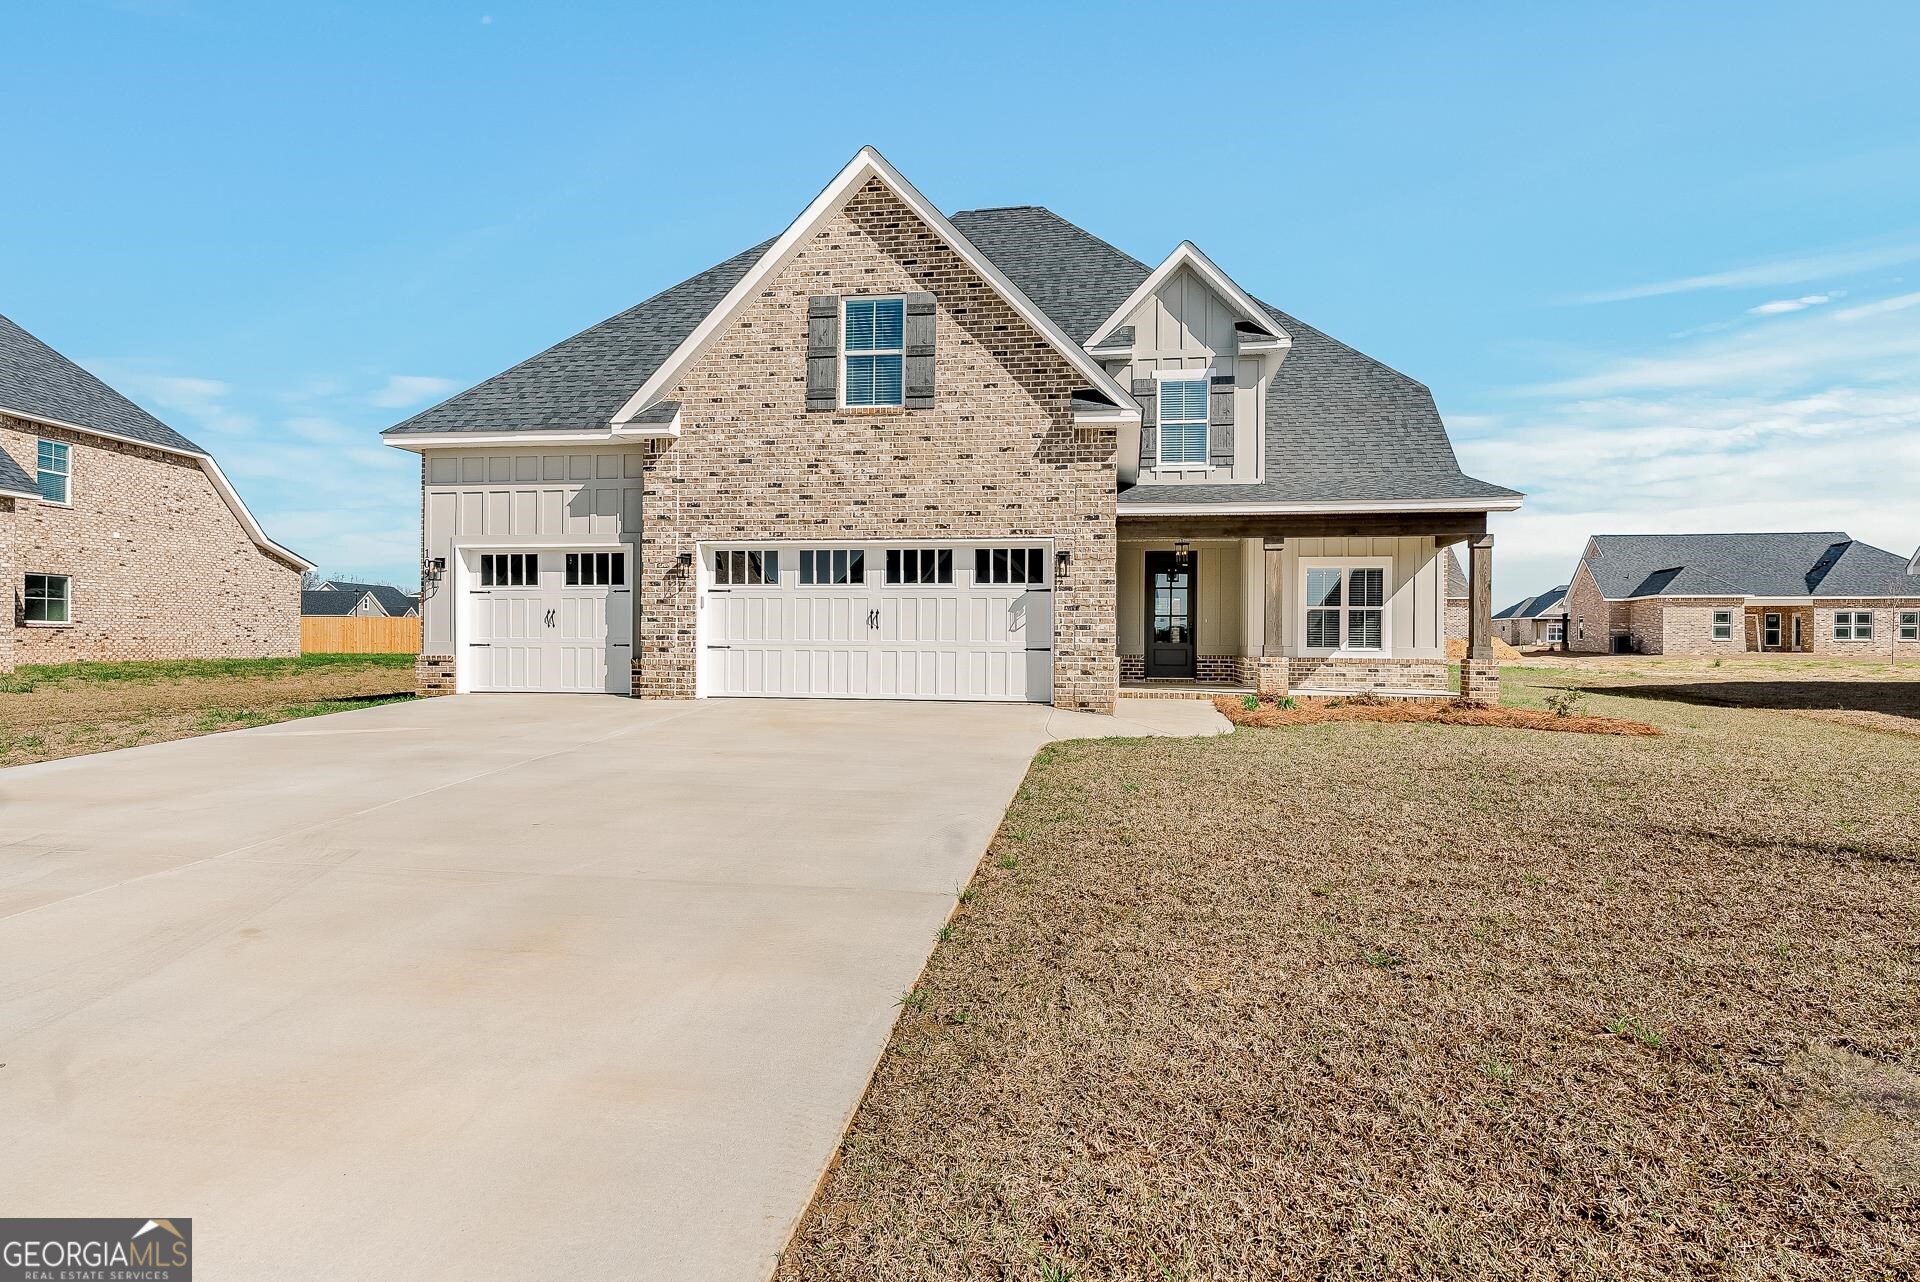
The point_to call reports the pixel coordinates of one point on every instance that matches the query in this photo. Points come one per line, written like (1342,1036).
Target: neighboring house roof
(395,601)
(1458,589)
(39,383)
(14,481)
(1534,607)
(1819,563)
(327,602)
(1341,428)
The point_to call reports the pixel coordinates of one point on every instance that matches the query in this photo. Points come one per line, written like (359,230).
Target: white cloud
(404,390)
(1781,306)
(1780,271)
(1810,422)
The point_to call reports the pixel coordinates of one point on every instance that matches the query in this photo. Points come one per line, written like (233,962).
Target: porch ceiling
(1448,526)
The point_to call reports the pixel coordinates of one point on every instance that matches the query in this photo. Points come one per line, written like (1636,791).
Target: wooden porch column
(1480,597)
(1479,671)
(1271,666)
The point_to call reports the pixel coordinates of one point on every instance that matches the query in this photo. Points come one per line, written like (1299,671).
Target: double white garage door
(877,621)
(970,621)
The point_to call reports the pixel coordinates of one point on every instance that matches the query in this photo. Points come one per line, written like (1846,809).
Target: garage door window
(509,569)
(742,568)
(919,565)
(826,567)
(1009,565)
(596,569)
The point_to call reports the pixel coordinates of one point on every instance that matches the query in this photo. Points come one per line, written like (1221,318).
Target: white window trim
(46,623)
(68,501)
(1904,619)
(1343,563)
(1853,625)
(1714,625)
(1160,461)
(900,351)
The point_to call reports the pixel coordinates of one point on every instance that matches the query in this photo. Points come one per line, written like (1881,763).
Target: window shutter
(1147,392)
(823,353)
(919,351)
(1220,421)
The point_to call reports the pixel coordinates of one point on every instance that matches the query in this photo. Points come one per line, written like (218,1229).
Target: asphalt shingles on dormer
(1824,563)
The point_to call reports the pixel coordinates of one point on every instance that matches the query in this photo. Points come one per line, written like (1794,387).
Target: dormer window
(1183,421)
(874,347)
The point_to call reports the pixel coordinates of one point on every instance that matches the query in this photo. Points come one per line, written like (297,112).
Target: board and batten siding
(1417,596)
(1186,326)
(522,497)
(1220,629)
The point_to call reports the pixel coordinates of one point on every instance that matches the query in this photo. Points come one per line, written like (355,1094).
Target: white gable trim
(1188,255)
(222,486)
(867,164)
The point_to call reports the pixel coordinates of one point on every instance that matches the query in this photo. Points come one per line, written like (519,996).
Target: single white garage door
(878,621)
(549,621)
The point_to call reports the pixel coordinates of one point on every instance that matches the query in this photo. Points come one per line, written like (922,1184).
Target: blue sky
(1660,264)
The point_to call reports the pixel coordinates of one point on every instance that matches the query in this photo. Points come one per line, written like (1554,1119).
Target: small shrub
(1250,701)
(1367,699)
(1567,702)
(1288,702)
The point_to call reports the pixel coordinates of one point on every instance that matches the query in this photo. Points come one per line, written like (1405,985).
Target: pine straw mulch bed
(1446,712)
(1386,1001)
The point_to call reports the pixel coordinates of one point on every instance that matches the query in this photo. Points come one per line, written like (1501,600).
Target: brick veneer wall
(1591,618)
(1886,617)
(161,567)
(1686,624)
(6,575)
(433,674)
(1480,680)
(997,457)
(1304,675)
(1457,619)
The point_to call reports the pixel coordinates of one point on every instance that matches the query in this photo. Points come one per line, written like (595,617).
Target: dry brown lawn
(65,710)
(1266,713)
(1415,1001)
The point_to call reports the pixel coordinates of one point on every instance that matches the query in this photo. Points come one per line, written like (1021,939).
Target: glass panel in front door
(1170,596)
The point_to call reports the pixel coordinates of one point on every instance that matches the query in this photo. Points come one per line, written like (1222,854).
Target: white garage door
(551,621)
(878,621)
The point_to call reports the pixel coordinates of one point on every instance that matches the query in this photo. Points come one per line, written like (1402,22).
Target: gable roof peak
(1189,256)
(867,165)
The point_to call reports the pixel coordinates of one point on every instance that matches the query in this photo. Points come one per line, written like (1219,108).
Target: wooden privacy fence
(326,634)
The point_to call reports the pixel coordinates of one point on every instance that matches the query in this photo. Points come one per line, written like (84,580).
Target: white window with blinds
(873,349)
(1183,419)
(1344,607)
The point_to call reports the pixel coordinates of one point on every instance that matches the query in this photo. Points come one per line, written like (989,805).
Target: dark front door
(1170,608)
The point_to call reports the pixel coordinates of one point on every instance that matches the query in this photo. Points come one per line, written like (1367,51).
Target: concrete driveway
(502,986)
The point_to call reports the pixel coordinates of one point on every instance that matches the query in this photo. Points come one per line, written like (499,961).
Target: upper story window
(56,471)
(874,346)
(1183,421)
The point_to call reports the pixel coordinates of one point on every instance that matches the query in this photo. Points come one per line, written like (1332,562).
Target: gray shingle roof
(1458,589)
(1340,426)
(1823,563)
(1534,607)
(39,382)
(395,601)
(583,381)
(334,603)
(13,477)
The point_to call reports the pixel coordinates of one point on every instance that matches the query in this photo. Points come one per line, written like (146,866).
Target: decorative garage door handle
(549,618)
(873,618)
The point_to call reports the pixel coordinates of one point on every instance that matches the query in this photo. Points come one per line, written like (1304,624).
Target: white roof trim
(221,484)
(1278,509)
(1188,255)
(866,164)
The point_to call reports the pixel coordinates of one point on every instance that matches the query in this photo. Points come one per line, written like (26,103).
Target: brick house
(895,454)
(1821,592)
(105,511)
(1534,620)
(344,598)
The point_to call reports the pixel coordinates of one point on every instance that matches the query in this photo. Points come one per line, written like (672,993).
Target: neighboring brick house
(892,454)
(105,511)
(1535,620)
(360,600)
(1822,592)
(1458,597)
